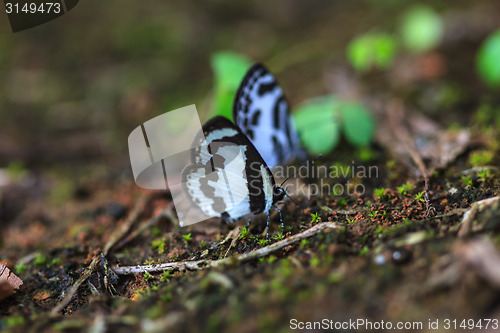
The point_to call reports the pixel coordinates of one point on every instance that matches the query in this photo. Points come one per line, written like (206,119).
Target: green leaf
(371,50)
(487,60)
(357,123)
(229,69)
(359,53)
(385,50)
(421,29)
(317,125)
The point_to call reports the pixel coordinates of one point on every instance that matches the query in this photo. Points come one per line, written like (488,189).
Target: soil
(399,251)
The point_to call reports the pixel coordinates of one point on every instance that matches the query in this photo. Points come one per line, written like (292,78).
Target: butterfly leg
(250,220)
(267,225)
(281,217)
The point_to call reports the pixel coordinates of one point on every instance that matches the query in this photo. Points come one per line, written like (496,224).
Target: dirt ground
(418,246)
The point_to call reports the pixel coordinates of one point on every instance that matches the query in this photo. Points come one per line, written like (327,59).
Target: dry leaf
(405,132)
(481,256)
(9,282)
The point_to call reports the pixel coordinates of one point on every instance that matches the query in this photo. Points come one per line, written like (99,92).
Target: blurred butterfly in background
(230,175)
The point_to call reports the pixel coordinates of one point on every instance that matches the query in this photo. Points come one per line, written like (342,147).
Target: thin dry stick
(74,288)
(239,258)
(145,225)
(469,216)
(127,225)
(113,239)
(396,110)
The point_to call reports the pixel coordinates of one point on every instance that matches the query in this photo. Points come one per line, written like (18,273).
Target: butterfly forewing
(261,111)
(227,176)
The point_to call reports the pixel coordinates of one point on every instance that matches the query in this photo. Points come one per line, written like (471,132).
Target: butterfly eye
(279,193)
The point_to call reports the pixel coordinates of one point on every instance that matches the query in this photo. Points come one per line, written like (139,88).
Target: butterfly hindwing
(261,111)
(227,176)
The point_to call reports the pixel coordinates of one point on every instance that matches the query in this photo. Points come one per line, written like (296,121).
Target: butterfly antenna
(285,181)
(291,199)
(314,159)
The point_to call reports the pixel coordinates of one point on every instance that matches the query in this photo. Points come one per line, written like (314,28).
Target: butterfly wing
(261,111)
(227,176)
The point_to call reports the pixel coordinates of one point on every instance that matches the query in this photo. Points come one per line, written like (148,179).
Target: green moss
(166,276)
(481,158)
(155,231)
(420,196)
(285,268)
(20,268)
(334,277)
(342,202)
(484,174)
(467,180)
(279,236)
(263,242)
(407,222)
(405,188)
(13,321)
(159,244)
(314,262)
(147,276)
(304,243)
(40,259)
(187,237)
(379,193)
(315,218)
(244,231)
(364,251)
(271,259)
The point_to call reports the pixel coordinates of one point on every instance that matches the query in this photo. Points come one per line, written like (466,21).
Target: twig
(396,110)
(127,225)
(145,225)
(239,258)
(74,288)
(469,216)
(113,239)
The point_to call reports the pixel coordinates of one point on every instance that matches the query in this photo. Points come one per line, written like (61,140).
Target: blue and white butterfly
(230,175)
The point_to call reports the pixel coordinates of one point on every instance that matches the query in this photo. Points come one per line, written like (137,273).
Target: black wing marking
(224,141)
(261,110)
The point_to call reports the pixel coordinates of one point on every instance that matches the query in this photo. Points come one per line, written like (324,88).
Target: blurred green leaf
(488,60)
(229,69)
(421,29)
(371,50)
(357,123)
(317,125)
(385,49)
(320,120)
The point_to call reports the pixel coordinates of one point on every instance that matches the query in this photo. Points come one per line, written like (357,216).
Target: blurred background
(367,80)
(71,90)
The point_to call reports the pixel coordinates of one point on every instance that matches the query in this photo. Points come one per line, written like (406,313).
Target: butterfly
(230,175)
